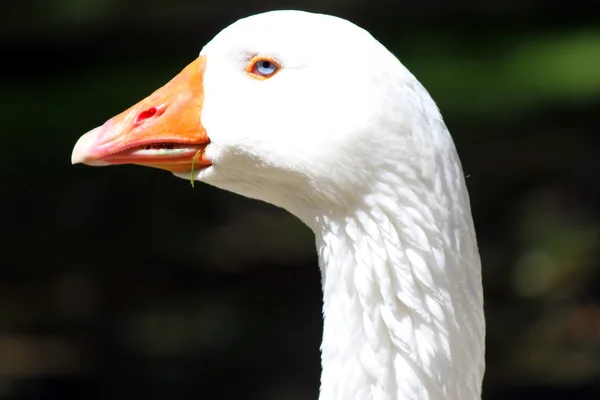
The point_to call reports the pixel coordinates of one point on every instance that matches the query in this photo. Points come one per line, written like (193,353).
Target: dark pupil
(266,64)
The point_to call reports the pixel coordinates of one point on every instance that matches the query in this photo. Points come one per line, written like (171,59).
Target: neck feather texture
(402,295)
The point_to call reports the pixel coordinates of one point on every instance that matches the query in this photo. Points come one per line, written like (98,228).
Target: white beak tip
(83,147)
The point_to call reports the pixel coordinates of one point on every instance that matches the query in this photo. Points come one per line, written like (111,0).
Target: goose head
(297,109)
(312,114)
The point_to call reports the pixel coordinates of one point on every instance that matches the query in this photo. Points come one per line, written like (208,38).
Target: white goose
(312,114)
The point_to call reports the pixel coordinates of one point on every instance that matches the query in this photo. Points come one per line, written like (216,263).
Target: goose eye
(263,68)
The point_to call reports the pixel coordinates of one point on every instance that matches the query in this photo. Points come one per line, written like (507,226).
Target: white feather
(347,139)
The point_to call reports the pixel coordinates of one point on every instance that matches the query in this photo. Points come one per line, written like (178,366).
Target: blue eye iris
(266,67)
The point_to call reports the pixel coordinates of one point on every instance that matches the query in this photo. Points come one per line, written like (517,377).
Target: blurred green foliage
(126,282)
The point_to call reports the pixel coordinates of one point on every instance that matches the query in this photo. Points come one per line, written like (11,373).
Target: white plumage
(345,138)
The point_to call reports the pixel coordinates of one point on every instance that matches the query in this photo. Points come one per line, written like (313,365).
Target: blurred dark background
(125,282)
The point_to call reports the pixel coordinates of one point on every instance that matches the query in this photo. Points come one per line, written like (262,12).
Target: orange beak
(162,131)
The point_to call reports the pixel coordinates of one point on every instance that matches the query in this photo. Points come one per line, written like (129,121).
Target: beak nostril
(144,115)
